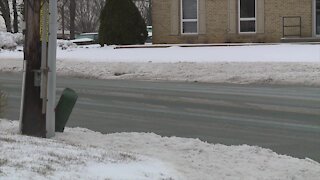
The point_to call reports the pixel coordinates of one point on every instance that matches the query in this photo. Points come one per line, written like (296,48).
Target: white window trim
(247,19)
(188,20)
(314,19)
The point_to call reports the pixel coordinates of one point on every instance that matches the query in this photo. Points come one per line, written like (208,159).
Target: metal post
(44,55)
(51,90)
(300,26)
(283,27)
(22,94)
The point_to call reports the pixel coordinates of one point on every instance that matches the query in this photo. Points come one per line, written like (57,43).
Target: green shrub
(121,24)
(3,99)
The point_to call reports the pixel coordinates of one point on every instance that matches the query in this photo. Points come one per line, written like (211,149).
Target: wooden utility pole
(33,121)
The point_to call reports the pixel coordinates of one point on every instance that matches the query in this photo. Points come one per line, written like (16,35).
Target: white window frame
(188,20)
(247,19)
(314,19)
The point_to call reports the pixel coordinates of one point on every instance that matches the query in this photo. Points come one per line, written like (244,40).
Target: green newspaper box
(64,108)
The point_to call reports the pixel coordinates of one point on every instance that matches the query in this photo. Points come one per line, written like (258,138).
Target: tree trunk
(149,13)
(62,16)
(15,16)
(5,13)
(72,18)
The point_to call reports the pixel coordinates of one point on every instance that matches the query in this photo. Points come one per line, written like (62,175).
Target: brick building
(219,21)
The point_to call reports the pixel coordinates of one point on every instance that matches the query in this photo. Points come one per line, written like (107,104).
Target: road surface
(285,119)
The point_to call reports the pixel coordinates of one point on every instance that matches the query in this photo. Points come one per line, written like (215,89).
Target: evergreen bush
(121,24)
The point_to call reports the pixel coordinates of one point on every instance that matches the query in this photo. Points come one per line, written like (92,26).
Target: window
(317,11)
(247,16)
(189,16)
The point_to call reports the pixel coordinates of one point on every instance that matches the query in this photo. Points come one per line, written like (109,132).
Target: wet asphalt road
(285,119)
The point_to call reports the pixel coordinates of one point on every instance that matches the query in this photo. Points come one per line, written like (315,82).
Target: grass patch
(3,162)
(8,140)
(44,170)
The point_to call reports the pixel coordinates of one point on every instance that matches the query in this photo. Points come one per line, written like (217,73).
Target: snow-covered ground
(173,54)
(83,154)
(266,64)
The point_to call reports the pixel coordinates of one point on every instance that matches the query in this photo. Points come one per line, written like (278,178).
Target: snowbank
(221,72)
(266,64)
(65,44)
(10,41)
(258,53)
(25,157)
(244,53)
(81,153)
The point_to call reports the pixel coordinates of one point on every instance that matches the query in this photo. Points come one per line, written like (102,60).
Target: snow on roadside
(223,72)
(244,53)
(92,155)
(23,157)
(263,64)
(258,53)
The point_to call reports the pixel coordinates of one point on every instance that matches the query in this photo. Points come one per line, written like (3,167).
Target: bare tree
(61,11)
(5,13)
(81,16)
(15,16)
(88,14)
(145,7)
(72,9)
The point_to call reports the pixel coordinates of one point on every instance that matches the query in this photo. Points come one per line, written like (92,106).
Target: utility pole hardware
(38,95)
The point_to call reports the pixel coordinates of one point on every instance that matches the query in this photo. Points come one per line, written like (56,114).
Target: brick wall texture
(219,15)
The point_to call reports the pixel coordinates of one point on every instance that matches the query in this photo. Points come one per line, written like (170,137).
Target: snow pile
(25,157)
(81,153)
(65,44)
(18,38)
(10,41)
